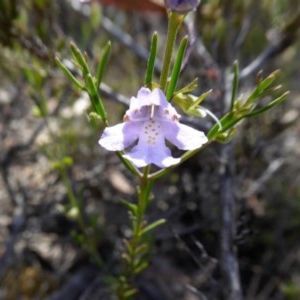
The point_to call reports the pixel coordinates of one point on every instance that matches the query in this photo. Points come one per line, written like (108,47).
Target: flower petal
(143,99)
(120,136)
(138,115)
(182,6)
(143,154)
(146,97)
(158,98)
(183,136)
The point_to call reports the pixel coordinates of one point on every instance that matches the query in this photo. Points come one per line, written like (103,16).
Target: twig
(109,92)
(280,42)
(196,292)
(128,41)
(205,263)
(229,262)
(203,53)
(243,33)
(273,167)
(196,44)
(189,23)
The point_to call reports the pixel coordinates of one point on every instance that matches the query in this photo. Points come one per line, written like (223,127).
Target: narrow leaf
(128,247)
(262,86)
(141,248)
(151,60)
(68,73)
(189,88)
(132,207)
(95,98)
(267,81)
(177,67)
(267,107)
(102,64)
(140,266)
(129,293)
(81,60)
(199,100)
(152,226)
(127,258)
(235,83)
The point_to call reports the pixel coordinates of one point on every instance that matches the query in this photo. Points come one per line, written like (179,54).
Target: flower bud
(182,6)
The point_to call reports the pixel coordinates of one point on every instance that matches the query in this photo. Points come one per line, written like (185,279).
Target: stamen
(126,118)
(212,115)
(152,111)
(175,118)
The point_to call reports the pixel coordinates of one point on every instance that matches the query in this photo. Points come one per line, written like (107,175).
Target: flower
(182,6)
(148,123)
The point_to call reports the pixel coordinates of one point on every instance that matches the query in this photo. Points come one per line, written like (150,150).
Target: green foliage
(102,64)
(246,108)
(152,226)
(90,83)
(190,104)
(62,164)
(174,22)
(151,60)
(177,68)
(69,74)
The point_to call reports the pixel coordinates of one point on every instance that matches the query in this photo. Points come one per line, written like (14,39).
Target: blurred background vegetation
(60,193)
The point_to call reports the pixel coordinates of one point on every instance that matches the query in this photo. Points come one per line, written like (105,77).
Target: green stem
(136,257)
(174,22)
(144,199)
(90,245)
(71,197)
